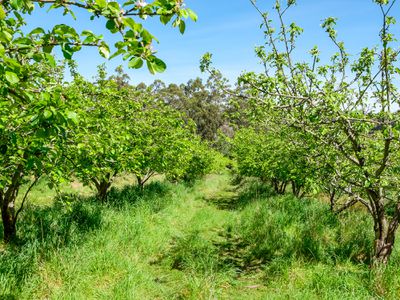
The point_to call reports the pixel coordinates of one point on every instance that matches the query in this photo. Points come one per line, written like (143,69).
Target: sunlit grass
(211,240)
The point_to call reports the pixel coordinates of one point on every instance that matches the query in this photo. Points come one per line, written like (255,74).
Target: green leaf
(182,27)
(47,114)
(150,67)
(5,36)
(184,13)
(47,49)
(146,36)
(110,25)
(67,51)
(101,3)
(192,14)
(12,77)
(16,4)
(37,30)
(2,13)
(159,66)
(119,52)
(104,51)
(114,8)
(130,23)
(50,59)
(73,117)
(164,19)
(135,63)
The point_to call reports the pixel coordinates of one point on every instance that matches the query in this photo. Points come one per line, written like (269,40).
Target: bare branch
(24,199)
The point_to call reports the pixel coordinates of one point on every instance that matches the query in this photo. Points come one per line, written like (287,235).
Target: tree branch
(24,199)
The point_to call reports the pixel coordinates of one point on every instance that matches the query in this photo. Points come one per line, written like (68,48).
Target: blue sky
(230,30)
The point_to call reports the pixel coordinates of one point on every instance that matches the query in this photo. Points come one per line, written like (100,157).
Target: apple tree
(35,116)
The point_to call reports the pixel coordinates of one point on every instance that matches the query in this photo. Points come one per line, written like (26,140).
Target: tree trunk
(276,185)
(9,221)
(296,189)
(282,188)
(102,187)
(7,206)
(140,182)
(332,199)
(384,241)
(385,230)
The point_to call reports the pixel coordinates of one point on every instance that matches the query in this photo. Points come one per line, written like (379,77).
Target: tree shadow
(285,228)
(238,196)
(153,194)
(7,297)
(42,231)
(291,230)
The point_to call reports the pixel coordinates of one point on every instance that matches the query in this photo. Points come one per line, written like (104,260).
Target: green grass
(212,240)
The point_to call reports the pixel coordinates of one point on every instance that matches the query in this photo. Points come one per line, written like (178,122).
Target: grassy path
(176,242)
(160,248)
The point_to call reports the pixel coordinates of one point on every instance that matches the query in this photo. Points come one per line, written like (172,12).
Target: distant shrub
(220,163)
(200,163)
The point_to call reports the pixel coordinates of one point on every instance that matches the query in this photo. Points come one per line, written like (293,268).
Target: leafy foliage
(36,115)
(345,109)
(277,157)
(125,130)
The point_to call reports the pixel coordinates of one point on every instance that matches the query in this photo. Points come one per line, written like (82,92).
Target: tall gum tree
(34,116)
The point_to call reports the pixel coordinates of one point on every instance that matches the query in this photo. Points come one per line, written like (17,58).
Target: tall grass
(210,240)
(308,252)
(49,232)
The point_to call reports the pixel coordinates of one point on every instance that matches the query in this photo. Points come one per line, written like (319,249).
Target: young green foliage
(33,131)
(348,108)
(101,146)
(35,114)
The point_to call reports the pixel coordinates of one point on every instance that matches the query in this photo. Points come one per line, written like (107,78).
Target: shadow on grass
(153,193)
(42,231)
(285,228)
(274,227)
(241,194)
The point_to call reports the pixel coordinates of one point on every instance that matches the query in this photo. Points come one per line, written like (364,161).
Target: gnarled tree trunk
(7,205)
(102,187)
(9,220)
(279,186)
(296,189)
(384,240)
(385,228)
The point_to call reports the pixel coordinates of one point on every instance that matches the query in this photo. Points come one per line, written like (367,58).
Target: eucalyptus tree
(120,77)
(35,115)
(347,106)
(199,102)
